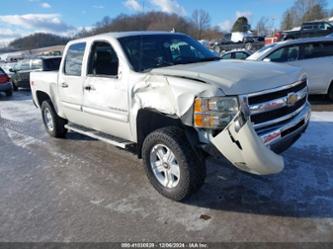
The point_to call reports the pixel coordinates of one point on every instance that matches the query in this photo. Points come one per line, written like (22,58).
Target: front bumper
(255,153)
(6,87)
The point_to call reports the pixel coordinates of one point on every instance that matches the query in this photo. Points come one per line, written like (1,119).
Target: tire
(54,124)
(330,92)
(191,171)
(9,93)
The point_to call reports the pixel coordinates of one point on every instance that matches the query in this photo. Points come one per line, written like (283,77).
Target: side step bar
(118,142)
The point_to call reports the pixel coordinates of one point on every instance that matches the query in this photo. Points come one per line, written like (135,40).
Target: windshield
(146,52)
(260,52)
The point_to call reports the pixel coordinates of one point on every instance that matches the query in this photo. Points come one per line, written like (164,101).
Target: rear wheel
(171,165)
(54,124)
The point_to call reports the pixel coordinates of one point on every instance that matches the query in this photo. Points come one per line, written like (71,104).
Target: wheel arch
(149,120)
(42,96)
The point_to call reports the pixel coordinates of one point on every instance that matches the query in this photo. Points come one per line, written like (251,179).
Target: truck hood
(235,77)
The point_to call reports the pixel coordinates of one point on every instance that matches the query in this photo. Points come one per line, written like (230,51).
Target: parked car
(236,54)
(309,29)
(313,55)
(7,68)
(169,98)
(21,71)
(5,84)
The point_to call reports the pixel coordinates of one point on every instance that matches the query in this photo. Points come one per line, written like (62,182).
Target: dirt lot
(81,189)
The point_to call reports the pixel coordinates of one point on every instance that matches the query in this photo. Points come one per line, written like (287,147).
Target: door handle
(89,88)
(64,85)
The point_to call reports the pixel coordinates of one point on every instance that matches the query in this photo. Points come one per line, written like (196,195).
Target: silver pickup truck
(172,100)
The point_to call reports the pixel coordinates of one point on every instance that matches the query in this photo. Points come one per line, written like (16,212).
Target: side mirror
(267,60)
(11,70)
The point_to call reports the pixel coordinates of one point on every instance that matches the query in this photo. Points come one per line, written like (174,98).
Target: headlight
(215,113)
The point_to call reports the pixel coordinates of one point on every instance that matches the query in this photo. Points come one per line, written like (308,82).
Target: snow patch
(319,133)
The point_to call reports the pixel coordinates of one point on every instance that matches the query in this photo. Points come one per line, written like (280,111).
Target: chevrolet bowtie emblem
(292,99)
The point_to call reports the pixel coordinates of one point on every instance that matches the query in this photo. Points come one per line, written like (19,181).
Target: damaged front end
(265,124)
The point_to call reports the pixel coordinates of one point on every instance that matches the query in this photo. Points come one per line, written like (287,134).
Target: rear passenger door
(105,92)
(70,82)
(317,62)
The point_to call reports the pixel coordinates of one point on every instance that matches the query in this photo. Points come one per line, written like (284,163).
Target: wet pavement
(80,189)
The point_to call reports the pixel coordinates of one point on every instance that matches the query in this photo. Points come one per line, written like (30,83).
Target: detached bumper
(6,87)
(255,153)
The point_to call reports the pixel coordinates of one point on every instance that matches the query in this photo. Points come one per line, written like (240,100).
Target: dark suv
(21,71)
(310,29)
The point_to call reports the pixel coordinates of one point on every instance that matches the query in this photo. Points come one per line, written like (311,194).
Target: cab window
(285,54)
(227,56)
(240,56)
(103,60)
(74,58)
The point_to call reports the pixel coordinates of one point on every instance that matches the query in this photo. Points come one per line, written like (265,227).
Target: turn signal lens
(214,113)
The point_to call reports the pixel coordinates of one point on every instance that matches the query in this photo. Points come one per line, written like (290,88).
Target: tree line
(197,25)
(304,11)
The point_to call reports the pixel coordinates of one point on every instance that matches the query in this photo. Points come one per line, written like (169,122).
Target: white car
(236,54)
(313,55)
(174,101)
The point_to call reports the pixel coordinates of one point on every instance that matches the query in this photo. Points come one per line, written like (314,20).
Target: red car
(5,83)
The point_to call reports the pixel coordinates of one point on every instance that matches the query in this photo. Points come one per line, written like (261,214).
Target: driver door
(105,100)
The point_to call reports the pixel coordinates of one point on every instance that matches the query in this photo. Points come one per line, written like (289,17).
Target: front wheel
(54,124)
(171,165)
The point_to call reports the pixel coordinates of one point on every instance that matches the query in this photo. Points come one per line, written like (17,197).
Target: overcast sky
(22,17)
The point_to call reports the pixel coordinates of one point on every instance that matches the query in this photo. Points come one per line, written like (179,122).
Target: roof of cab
(117,35)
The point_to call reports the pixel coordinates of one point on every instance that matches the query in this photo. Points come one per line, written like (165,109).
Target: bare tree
(201,20)
(288,20)
(264,26)
(316,12)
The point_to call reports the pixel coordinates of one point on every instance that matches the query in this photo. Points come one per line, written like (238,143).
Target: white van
(313,55)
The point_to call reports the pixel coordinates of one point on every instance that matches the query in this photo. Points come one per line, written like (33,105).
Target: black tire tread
(59,123)
(186,157)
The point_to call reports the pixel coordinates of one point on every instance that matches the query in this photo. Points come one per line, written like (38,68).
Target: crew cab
(174,102)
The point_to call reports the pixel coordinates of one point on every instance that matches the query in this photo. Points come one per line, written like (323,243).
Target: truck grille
(270,109)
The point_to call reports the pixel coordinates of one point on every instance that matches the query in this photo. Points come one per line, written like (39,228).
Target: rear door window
(316,50)
(74,59)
